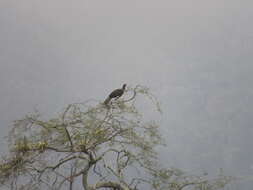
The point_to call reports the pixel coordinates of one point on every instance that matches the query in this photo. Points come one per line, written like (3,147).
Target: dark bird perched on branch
(115,94)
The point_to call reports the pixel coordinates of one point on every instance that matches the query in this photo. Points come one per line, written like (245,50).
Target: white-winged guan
(115,94)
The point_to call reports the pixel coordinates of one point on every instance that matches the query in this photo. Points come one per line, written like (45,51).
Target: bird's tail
(107,100)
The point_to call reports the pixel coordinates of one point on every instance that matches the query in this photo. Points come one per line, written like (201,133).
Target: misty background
(194,55)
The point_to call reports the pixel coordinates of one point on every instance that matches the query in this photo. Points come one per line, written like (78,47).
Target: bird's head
(124,86)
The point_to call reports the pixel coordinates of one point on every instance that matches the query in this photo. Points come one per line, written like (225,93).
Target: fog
(194,55)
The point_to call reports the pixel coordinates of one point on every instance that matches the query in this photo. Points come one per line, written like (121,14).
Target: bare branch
(109,184)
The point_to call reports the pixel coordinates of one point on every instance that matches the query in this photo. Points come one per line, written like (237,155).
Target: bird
(115,94)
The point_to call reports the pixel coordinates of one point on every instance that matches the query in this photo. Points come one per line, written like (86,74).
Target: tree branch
(110,184)
(65,126)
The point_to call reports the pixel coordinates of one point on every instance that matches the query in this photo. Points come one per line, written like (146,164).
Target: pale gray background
(195,55)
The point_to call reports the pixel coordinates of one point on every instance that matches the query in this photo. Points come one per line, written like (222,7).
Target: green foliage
(110,144)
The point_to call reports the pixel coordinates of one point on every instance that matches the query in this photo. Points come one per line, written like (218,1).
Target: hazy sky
(195,56)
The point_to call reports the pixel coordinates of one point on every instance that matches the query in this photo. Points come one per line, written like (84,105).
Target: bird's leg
(117,98)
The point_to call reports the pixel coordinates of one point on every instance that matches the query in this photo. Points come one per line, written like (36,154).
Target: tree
(93,147)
